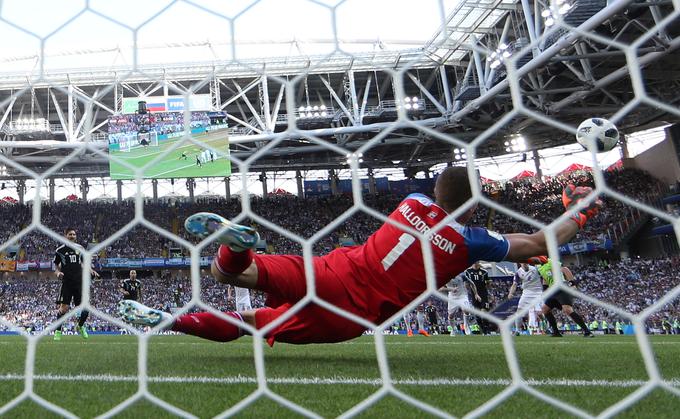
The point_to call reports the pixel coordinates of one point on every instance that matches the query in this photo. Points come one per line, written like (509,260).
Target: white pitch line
(441,343)
(183,167)
(241,379)
(208,141)
(155,175)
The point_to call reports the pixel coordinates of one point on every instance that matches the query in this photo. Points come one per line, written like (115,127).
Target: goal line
(339,380)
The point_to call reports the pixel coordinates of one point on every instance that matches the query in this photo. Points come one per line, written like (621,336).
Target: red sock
(209,326)
(233,263)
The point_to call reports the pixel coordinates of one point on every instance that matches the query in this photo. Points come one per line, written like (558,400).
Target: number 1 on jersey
(405,240)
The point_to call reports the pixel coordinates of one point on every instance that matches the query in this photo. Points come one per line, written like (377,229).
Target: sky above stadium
(180,31)
(214,30)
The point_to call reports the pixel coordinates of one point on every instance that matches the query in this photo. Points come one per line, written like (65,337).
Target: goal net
(134,140)
(498,83)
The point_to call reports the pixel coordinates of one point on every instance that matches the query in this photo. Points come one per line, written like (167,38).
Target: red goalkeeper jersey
(388,271)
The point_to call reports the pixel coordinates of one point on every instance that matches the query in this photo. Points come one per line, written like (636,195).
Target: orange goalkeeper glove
(572,195)
(537,260)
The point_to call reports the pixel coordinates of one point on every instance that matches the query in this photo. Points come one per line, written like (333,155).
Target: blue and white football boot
(238,237)
(137,313)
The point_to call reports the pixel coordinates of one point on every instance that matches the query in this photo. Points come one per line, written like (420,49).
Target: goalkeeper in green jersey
(561,300)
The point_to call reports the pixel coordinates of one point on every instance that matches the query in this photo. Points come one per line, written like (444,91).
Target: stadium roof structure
(496,69)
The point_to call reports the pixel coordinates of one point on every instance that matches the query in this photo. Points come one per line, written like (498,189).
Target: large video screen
(139,139)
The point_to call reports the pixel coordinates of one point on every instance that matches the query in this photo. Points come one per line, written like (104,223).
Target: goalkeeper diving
(372,281)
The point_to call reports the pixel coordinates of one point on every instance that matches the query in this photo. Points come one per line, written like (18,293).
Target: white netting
(468,31)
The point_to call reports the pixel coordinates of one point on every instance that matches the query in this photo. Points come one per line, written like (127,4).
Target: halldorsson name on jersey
(420,226)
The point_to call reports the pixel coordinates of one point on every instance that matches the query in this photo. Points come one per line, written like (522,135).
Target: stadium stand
(182,96)
(29,301)
(538,199)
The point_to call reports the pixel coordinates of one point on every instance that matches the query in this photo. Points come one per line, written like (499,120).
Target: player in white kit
(458,300)
(241,298)
(529,279)
(420,318)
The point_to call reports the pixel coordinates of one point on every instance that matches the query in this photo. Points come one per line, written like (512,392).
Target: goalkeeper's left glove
(572,195)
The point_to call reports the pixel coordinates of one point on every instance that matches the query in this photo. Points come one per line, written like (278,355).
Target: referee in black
(68,267)
(131,288)
(478,279)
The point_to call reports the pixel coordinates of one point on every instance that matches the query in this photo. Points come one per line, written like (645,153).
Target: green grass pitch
(454,374)
(173,165)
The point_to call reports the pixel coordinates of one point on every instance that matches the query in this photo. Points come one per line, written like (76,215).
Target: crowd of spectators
(629,284)
(159,122)
(632,285)
(302,218)
(542,200)
(97,221)
(30,303)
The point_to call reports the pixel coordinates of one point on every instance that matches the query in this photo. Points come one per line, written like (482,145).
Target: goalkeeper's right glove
(537,260)
(572,195)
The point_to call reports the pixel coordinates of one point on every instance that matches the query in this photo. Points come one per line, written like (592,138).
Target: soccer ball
(601,131)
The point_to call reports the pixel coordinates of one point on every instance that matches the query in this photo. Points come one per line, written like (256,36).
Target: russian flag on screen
(155,107)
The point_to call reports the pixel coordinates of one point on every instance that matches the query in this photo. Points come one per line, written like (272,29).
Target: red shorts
(283,279)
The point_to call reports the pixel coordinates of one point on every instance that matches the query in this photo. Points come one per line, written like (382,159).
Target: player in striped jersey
(241,298)
(458,300)
(420,320)
(529,279)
